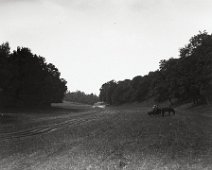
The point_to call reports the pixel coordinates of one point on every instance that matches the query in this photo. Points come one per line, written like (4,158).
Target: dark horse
(157,111)
(168,110)
(162,111)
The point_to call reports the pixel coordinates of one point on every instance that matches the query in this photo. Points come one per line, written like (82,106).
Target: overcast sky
(94,41)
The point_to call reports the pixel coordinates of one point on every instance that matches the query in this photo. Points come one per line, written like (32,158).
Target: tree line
(184,79)
(27,79)
(81,97)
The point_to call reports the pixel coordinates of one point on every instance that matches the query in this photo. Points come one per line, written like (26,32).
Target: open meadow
(73,136)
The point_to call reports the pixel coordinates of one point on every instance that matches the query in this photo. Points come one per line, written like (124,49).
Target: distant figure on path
(155,108)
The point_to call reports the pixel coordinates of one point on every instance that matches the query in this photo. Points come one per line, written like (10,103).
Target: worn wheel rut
(48,128)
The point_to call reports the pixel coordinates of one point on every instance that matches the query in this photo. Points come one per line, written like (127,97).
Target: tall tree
(107,90)
(30,80)
(196,65)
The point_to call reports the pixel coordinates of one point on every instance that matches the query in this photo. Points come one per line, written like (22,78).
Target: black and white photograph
(105,85)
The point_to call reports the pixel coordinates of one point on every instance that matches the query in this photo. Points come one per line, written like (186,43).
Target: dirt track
(48,126)
(112,138)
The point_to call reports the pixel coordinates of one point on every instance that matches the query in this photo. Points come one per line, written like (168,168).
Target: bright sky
(94,41)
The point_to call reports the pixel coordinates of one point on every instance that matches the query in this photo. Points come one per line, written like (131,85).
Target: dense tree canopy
(187,78)
(81,97)
(27,80)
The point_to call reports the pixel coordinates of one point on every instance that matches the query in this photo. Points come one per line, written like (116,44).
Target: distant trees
(106,92)
(123,92)
(27,80)
(81,97)
(187,78)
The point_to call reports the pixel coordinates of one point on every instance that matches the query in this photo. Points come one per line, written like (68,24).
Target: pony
(157,111)
(161,111)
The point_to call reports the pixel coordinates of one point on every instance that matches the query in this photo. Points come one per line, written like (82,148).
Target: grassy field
(76,136)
